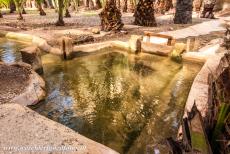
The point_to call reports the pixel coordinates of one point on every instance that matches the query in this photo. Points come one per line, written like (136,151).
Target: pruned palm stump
(111,17)
(207,9)
(183,12)
(144,13)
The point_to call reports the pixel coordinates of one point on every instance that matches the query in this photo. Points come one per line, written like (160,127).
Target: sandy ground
(13,80)
(82,23)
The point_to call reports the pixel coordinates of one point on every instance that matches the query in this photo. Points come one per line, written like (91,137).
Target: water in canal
(123,101)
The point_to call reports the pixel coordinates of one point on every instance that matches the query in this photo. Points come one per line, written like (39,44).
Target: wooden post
(66,45)
(31,55)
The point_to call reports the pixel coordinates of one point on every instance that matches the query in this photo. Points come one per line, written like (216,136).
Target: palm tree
(39,4)
(60,21)
(144,13)
(12,6)
(67,4)
(111,17)
(183,12)
(208,8)
(19,6)
(98,4)
(124,5)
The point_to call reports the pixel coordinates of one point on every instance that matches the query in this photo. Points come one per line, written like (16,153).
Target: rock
(96,31)
(83,39)
(20,84)
(31,55)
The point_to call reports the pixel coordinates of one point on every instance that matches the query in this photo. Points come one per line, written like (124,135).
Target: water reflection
(119,100)
(9,51)
(126,102)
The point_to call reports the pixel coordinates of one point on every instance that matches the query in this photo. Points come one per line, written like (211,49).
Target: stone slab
(23,128)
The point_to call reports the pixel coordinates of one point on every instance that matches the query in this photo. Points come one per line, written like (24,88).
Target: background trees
(143,10)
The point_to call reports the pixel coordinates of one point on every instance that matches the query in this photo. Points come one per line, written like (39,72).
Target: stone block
(32,55)
(135,43)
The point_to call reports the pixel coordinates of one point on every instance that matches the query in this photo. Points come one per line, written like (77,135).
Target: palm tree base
(20,17)
(60,23)
(67,14)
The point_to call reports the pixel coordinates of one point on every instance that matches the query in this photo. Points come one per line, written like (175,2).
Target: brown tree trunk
(20,17)
(1,16)
(111,17)
(197,5)
(131,6)
(12,6)
(91,5)
(162,6)
(124,5)
(41,11)
(144,13)
(207,9)
(67,14)
(86,3)
(23,10)
(118,4)
(183,12)
(60,21)
(98,4)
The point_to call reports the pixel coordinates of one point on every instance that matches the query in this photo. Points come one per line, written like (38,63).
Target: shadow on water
(124,101)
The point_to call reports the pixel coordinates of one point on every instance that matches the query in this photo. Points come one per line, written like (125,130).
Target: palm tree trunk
(144,13)
(67,4)
(19,6)
(12,6)
(98,4)
(183,12)
(23,10)
(60,21)
(1,16)
(131,6)
(41,11)
(111,17)
(208,8)
(124,5)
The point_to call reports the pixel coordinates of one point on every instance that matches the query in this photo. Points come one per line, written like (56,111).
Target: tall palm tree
(144,13)
(183,12)
(60,21)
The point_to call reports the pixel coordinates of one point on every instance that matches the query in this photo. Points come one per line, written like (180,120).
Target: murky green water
(126,102)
